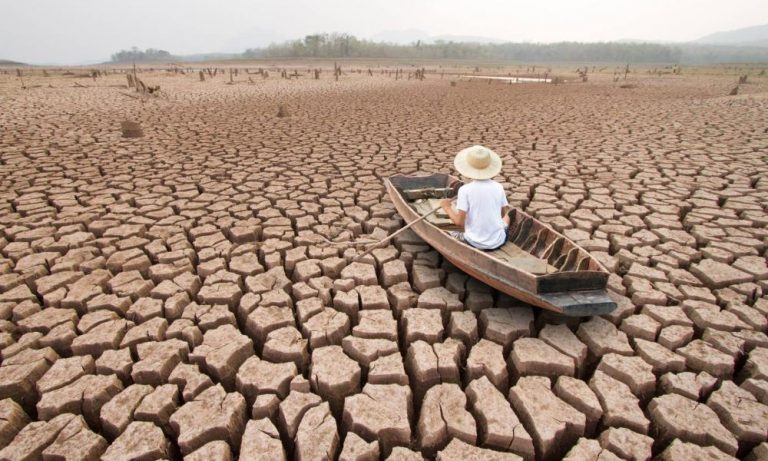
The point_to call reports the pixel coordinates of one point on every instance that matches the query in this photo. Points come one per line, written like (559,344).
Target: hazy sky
(80,31)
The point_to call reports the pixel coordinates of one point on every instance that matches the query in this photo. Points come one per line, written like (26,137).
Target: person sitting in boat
(481,204)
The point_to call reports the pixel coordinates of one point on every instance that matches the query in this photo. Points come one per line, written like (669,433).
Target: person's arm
(457,216)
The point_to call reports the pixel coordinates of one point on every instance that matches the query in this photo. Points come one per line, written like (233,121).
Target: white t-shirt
(482,201)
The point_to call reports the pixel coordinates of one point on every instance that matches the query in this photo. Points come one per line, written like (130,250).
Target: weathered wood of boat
(537,265)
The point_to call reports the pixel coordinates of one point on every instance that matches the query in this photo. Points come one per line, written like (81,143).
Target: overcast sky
(82,31)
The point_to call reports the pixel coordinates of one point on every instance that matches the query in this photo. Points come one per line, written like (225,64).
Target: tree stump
(131,129)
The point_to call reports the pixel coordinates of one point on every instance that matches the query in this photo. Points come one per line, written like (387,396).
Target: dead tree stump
(131,129)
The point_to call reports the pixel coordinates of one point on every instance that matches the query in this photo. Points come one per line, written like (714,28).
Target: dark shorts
(460,237)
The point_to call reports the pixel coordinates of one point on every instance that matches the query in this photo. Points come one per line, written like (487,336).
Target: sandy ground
(173,296)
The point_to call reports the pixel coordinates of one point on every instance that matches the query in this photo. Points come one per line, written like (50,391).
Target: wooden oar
(394,234)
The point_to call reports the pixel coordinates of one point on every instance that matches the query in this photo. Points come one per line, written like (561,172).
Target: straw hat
(477,162)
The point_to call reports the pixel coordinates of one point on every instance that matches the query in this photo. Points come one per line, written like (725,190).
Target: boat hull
(492,271)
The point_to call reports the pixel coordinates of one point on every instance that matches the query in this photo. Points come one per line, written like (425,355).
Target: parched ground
(175,295)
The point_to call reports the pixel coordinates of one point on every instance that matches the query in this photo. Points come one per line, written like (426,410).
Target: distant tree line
(137,55)
(338,45)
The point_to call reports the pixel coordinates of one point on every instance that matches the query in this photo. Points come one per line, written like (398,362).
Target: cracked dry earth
(174,296)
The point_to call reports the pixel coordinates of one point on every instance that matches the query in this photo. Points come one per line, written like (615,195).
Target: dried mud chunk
(678,417)
(716,274)
(589,450)
(307,308)
(84,396)
(401,297)
(602,337)
(286,345)
(361,273)
(317,437)
(675,336)
(151,330)
(758,388)
(463,326)
(740,413)
(227,294)
(486,358)
(145,309)
(388,370)
(117,414)
(700,356)
(130,284)
(257,376)
(115,362)
(757,364)
(357,449)
(504,326)
(365,351)
(532,356)
(334,376)
(422,325)
(212,415)
(632,371)
(326,328)
(578,394)
(265,406)
(265,319)
(76,441)
(223,350)
(627,444)
(261,442)
(562,338)
(372,297)
(661,359)
(428,365)
(458,450)
(157,361)
(64,371)
(682,451)
(376,324)
(443,416)
(441,299)
(158,406)
(107,335)
(141,441)
(498,426)
(12,420)
(293,409)
(620,407)
(393,272)
(404,454)
(47,319)
(380,412)
(35,437)
(553,424)
(640,326)
(190,380)
(217,450)
(688,384)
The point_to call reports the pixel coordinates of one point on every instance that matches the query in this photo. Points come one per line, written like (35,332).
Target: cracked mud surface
(175,295)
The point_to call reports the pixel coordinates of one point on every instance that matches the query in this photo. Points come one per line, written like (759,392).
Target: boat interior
(532,246)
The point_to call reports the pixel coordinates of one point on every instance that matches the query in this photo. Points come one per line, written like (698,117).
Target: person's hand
(446,203)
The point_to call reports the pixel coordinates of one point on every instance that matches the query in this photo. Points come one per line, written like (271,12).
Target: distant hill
(748,36)
(7,62)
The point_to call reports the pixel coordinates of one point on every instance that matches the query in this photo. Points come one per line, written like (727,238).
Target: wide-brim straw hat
(477,162)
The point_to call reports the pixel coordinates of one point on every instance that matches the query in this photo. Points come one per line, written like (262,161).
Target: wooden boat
(537,265)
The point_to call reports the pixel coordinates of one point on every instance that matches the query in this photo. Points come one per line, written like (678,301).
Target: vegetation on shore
(338,46)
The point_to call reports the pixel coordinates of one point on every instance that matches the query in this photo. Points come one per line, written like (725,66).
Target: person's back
(480,204)
(483,202)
